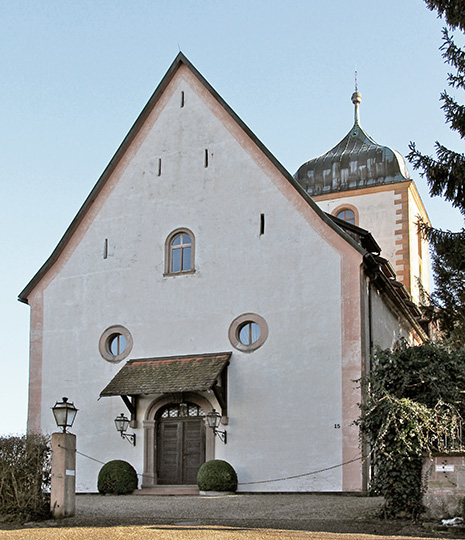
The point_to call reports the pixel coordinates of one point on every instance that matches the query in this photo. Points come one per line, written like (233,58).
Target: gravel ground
(289,509)
(304,511)
(238,516)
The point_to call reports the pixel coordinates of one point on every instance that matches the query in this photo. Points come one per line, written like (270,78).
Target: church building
(200,278)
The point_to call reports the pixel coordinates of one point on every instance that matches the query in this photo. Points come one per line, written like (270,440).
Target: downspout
(365,447)
(370,325)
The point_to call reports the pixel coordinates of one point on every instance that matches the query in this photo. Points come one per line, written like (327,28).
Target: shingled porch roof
(172,374)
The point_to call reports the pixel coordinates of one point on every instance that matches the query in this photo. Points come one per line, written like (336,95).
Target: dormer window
(179,252)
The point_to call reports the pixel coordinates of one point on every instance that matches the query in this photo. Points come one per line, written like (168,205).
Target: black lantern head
(214,420)
(122,424)
(64,413)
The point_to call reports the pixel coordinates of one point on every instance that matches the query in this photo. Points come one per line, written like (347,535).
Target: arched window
(179,252)
(347,213)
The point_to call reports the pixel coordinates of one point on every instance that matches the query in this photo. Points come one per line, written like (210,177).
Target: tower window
(347,215)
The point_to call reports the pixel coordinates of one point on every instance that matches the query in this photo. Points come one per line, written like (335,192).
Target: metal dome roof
(356,162)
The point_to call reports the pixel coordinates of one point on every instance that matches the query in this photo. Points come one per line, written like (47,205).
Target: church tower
(368,185)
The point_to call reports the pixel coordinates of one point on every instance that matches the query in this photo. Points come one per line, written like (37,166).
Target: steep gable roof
(179,61)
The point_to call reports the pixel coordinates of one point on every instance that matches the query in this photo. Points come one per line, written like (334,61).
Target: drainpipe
(370,324)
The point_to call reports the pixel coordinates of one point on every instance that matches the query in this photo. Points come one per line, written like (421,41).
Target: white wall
(387,326)
(284,398)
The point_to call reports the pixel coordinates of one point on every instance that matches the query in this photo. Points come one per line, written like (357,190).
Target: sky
(76,74)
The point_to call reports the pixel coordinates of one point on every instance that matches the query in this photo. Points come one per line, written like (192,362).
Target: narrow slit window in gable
(262,224)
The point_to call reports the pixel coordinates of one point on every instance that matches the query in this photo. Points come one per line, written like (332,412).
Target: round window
(248,332)
(115,343)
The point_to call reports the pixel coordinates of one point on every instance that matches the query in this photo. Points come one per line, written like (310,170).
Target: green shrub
(414,403)
(25,472)
(217,475)
(117,477)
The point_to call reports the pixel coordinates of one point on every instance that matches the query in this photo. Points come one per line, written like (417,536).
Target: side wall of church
(388,327)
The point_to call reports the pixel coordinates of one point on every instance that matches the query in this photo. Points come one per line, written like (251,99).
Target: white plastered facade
(292,402)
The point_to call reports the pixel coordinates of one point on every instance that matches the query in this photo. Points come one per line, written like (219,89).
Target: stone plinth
(445,485)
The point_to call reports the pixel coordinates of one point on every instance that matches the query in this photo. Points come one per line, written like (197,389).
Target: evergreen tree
(445,175)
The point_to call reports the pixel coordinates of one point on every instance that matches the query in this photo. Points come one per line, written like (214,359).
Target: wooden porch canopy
(171,375)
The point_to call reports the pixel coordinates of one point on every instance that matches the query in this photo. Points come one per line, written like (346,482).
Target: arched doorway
(180,443)
(153,417)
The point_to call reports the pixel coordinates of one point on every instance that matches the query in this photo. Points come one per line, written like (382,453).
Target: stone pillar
(444,476)
(63,488)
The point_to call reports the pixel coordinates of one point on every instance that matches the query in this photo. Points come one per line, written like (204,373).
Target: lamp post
(63,481)
(122,423)
(214,420)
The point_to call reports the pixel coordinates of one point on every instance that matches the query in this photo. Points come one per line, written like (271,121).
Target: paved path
(238,517)
(184,533)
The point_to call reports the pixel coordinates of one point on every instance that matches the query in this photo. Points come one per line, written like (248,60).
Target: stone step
(168,490)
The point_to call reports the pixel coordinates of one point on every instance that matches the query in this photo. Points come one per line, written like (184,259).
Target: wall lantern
(122,423)
(64,413)
(214,420)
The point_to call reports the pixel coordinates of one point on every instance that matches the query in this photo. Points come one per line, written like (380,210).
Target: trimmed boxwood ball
(217,475)
(118,477)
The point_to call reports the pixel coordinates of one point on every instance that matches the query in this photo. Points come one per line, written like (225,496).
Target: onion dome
(356,162)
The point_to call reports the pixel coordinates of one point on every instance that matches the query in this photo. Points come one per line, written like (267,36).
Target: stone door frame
(149,424)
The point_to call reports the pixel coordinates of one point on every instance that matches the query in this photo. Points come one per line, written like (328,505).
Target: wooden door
(181,449)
